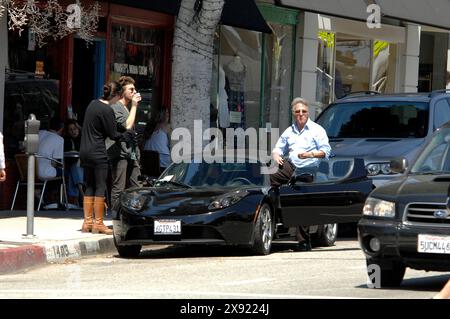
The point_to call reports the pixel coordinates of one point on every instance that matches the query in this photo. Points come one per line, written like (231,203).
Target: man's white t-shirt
(50,145)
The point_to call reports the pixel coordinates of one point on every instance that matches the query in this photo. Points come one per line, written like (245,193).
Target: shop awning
(353,9)
(237,13)
(426,12)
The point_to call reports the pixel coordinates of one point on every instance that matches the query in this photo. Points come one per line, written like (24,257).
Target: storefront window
(448,66)
(352,71)
(31,87)
(325,60)
(137,52)
(277,81)
(239,74)
(217,96)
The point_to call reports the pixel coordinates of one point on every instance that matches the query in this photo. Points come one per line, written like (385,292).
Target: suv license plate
(167,227)
(433,244)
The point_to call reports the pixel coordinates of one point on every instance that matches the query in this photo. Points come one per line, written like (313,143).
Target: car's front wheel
(325,236)
(130,251)
(385,273)
(263,231)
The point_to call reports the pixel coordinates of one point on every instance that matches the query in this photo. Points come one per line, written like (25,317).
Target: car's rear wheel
(325,236)
(263,231)
(129,251)
(390,273)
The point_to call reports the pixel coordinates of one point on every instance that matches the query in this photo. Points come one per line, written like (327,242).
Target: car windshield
(213,174)
(435,158)
(386,119)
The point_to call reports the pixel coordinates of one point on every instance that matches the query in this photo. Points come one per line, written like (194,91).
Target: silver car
(379,127)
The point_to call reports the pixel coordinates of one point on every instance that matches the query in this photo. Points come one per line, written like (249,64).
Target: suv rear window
(375,119)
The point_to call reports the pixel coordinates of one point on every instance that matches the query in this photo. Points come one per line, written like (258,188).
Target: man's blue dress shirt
(312,137)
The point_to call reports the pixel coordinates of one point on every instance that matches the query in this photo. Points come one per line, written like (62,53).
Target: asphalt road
(167,272)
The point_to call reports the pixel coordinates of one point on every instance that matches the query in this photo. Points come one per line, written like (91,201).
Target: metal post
(31,142)
(30,195)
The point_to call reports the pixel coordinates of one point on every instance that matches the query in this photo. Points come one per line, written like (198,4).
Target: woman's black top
(99,123)
(72,144)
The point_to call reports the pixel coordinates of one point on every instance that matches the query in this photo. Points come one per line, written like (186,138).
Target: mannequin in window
(224,114)
(236,64)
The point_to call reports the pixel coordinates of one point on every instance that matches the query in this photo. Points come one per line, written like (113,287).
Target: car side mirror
(398,165)
(303,177)
(146,180)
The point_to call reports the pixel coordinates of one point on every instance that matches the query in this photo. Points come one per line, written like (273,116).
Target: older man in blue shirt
(300,147)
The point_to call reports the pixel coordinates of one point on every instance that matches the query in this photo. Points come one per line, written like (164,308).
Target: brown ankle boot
(99,210)
(88,209)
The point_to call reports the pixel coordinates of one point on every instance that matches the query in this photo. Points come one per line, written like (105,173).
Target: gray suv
(379,127)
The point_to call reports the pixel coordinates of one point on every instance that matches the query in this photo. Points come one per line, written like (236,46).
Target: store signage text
(125,68)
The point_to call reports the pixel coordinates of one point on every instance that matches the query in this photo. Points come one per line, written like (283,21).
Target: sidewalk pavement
(57,239)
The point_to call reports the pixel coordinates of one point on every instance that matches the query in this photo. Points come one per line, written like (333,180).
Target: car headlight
(379,207)
(132,200)
(378,168)
(227,200)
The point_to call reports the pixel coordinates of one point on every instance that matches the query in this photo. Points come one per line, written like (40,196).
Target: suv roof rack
(437,92)
(359,93)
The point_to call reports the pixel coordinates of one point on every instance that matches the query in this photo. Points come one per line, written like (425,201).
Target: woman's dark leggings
(96,181)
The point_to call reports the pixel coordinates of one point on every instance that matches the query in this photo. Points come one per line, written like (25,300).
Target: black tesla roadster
(234,204)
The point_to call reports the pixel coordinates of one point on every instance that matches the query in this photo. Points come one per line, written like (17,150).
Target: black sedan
(234,204)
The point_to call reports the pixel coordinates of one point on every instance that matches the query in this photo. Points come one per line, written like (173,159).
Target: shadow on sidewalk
(70,214)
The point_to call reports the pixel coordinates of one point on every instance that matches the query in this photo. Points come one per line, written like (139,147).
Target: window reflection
(352,65)
(325,58)
(383,69)
(278,76)
(137,52)
(240,65)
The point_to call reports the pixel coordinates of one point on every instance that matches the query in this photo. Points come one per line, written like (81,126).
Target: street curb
(16,259)
(19,258)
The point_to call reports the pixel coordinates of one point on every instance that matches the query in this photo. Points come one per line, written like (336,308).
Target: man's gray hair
(299,100)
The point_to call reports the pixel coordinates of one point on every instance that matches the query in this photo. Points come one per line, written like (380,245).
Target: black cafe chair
(22,165)
(150,164)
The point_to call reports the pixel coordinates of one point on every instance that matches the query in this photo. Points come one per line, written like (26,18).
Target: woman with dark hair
(158,138)
(74,173)
(99,123)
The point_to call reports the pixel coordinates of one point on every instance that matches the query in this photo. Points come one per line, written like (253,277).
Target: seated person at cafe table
(74,172)
(51,145)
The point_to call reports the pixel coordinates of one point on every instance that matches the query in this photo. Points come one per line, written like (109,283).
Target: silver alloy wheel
(266,227)
(330,230)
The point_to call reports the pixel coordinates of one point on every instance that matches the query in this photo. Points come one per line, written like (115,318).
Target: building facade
(319,50)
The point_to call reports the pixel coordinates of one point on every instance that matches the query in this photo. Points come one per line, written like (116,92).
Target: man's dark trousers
(282,176)
(123,170)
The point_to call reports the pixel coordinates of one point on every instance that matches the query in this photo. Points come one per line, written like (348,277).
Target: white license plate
(167,227)
(433,244)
